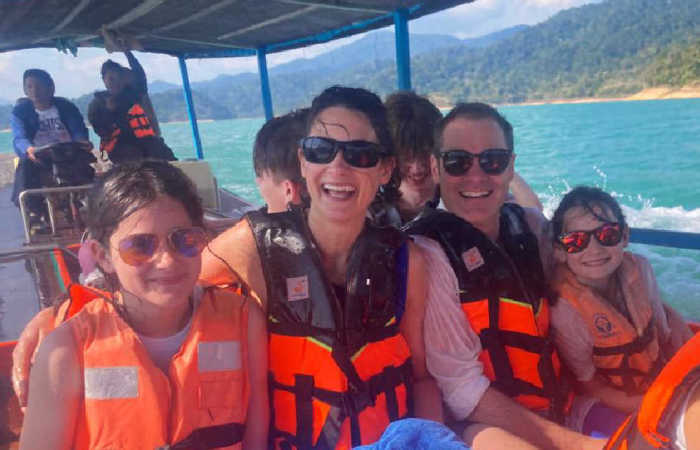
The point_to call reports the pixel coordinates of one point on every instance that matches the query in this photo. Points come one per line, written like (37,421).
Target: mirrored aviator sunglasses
(138,249)
(322,150)
(493,161)
(608,235)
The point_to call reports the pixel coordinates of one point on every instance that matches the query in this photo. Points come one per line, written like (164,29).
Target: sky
(75,76)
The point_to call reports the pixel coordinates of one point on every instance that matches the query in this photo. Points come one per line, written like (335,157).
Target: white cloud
(486,16)
(81,75)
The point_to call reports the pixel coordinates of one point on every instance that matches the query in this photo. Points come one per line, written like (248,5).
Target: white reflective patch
(291,241)
(297,288)
(218,356)
(103,383)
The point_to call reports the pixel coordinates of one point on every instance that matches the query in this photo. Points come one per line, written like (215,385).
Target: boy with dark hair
(37,120)
(411,122)
(276,162)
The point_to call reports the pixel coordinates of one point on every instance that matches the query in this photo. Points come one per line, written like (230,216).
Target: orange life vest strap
(211,437)
(344,405)
(107,143)
(494,340)
(632,379)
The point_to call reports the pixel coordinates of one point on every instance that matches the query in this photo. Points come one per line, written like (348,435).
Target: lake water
(647,154)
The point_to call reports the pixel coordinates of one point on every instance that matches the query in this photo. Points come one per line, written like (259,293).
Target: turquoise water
(647,154)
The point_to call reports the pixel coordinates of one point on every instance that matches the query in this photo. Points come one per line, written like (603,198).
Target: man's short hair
(276,144)
(412,121)
(473,111)
(40,75)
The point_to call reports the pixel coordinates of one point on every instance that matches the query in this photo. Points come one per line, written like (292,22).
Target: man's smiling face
(474,196)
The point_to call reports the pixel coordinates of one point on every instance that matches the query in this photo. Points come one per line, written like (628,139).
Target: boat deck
(19,299)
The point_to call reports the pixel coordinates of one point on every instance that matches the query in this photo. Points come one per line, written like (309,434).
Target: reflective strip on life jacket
(139,122)
(200,402)
(653,425)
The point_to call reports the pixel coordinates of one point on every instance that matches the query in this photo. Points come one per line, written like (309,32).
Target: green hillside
(608,49)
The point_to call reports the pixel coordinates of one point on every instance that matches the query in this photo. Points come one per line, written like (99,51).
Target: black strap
(344,405)
(495,340)
(211,437)
(638,345)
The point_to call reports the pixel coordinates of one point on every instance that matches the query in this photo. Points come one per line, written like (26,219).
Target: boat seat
(201,175)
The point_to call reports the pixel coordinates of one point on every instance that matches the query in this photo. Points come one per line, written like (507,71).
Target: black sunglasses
(322,150)
(493,161)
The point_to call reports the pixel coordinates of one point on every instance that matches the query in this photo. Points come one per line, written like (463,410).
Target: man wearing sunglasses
(487,317)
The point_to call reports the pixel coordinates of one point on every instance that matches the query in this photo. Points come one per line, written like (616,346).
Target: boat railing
(48,194)
(665,238)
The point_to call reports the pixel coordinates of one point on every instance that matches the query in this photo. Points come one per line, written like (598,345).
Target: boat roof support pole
(190,107)
(264,83)
(403,52)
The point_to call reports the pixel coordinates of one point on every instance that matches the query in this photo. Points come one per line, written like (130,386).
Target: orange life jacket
(652,426)
(108,143)
(503,292)
(130,403)
(340,372)
(138,122)
(626,353)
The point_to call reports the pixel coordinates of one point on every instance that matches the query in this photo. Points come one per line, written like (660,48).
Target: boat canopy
(200,28)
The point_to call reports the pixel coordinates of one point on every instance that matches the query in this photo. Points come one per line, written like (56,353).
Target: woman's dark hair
(473,111)
(356,99)
(131,186)
(40,75)
(412,119)
(111,65)
(589,198)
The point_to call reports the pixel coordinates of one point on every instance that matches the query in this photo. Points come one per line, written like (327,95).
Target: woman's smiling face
(339,191)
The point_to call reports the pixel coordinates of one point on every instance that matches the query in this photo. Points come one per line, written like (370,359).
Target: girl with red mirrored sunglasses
(611,325)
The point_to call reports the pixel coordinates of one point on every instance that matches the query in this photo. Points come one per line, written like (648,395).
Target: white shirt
(51,129)
(452,347)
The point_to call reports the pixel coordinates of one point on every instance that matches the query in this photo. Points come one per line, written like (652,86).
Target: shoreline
(655,93)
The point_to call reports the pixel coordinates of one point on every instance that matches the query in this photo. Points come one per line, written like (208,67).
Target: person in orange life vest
(276,162)
(279,180)
(487,313)
(669,413)
(192,356)
(122,115)
(344,298)
(619,337)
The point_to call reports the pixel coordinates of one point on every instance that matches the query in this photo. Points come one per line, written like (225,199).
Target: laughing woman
(345,300)
(164,363)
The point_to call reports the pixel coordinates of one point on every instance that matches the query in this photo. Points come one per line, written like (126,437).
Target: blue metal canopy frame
(400,17)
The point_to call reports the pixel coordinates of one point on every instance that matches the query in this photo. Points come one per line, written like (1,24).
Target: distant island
(617,49)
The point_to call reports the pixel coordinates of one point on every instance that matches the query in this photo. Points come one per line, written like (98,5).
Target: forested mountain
(613,48)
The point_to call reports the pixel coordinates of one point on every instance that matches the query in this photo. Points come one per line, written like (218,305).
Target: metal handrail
(43,191)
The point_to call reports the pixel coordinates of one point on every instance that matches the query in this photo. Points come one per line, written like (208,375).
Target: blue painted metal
(306,40)
(403,52)
(265,83)
(224,53)
(190,107)
(665,238)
